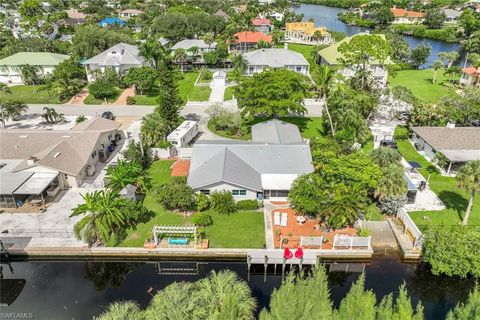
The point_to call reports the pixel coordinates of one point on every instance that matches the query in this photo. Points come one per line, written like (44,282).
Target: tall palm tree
(208,39)
(437,64)
(173,302)
(448,57)
(102,216)
(384,156)
(29,74)
(180,56)
(468,178)
(154,130)
(392,183)
(122,310)
(11,109)
(323,79)
(152,50)
(239,62)
(5,90)
(125,173)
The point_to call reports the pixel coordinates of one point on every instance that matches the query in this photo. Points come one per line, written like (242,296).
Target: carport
(36,185)
(9,182)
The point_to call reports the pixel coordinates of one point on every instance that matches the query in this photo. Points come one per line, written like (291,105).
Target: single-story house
(402,16)
(121,57)
(262,25)
(44,61)
(451,16)
(74,18)
(457,144)
(307,33)
(260,59)
(333,57)
(247,40)
(129,13)
(111,21)
(188,44)
(263,168)
(470,76)
(36,162)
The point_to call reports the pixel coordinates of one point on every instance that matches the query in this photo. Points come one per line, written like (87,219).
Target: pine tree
(358,304)
(168,99)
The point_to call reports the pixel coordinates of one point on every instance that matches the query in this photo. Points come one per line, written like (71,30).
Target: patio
(294,230)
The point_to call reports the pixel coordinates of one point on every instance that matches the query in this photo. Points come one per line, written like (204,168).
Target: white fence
(349,242)
(311,241)
(410,227)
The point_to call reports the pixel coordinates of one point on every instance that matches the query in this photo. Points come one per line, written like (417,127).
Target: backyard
(307,52)
(31,94)
(243,229)
(186,90)
(420,83)
(454,199)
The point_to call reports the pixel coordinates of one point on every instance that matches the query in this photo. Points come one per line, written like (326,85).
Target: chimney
(450,125)
(285,45)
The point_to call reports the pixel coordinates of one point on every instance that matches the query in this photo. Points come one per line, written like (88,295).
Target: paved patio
(180,168)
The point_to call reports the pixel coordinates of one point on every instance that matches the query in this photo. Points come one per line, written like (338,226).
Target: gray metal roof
(37,183)
(9,182)
(242,163)
(450,13)
(276,131)
(189,43)
(119,54)
(275,57)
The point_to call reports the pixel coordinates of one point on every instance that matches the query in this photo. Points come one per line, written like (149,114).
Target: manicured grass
(368,147)
(243,229)
(454,198)
(228,95)
(90,99)
(373,213)
(188,91)
(31,94)
(148,98)
(420,83)
(307,52)
(309,127)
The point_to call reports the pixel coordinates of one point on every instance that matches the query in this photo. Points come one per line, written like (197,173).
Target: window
(239,192)
(251,69)
(94,154)
(205,192)
(299,69)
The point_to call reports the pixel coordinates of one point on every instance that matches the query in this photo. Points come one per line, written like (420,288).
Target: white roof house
(260,59)
(251,168)
(190,43)
(120,57)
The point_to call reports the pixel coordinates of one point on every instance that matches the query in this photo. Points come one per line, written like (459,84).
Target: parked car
(476,123)
(388,144)
(403,116)
(108,115)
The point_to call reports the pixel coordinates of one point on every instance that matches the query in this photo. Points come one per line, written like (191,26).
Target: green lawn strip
(31,94)
(373,213)
(148,98)
(368,147)
(90,99)
(188,91)
(228,95)
(455,199)
(309,127)
(420,83)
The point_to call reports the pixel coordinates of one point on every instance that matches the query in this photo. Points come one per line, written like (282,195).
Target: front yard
(243,229)
(455,199)
(420,83)
(31,94)
(90,99)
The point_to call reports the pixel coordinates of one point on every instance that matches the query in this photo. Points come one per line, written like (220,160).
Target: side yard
(420,83)
(307,51)
(31,94)
(243,229)
(455,199)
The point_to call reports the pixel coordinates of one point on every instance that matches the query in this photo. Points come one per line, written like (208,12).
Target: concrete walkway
(267,213)
(79,97)
(218,91)
(383,238)
(122,100)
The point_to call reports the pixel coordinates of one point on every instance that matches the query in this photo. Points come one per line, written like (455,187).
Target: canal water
(80,290)
(327,17)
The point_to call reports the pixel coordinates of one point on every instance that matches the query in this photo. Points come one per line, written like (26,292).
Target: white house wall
(12,74)
(250,195)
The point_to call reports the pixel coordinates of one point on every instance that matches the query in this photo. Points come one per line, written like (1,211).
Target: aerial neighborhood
(286,135)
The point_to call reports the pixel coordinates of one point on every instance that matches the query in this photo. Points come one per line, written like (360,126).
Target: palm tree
(173,302)
(468,178)
(29,74)
(152,50)
(384,156)
(80,118)
(448,57)
(52,116)
(193,50)
(125,173)
(180,56)
(122,310)
(239,62)
(208,39)
(154,130)
(102,216)
(437,64)
(11,109)
(323,78)
(5,89)
(392,183)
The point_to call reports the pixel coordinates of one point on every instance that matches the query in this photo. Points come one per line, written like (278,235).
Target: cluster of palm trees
(10,109)
(468,179)
(52,116)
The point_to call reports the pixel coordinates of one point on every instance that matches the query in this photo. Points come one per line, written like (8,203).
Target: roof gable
(34,58)
(275,57)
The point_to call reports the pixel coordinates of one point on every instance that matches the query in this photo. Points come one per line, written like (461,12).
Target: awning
(9,182)
(37,183)
(461,155)
(277,181)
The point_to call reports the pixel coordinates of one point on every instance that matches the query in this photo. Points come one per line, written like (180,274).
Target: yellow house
(303,32)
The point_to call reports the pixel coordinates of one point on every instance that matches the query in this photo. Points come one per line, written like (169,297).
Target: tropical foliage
(468,178)
(125,173)
(176,195)
(11,110)
(222,202)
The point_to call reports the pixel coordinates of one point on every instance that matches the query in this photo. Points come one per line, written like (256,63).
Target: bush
(363,232)
(222,202)
(401,133)
(176,195)
(391,205)
(101,89)
(247,205)
(202,219)
(203,203)
(131,100)
(206,74)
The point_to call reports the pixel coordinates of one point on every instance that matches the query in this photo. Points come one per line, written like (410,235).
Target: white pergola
(173,230)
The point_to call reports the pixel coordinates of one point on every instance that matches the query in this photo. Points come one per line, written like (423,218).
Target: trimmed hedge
(247,205)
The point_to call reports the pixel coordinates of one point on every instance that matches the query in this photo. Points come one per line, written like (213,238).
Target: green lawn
(455,199)
(149,98)
(373,213)
(420,83)
(309,127)
(188,91)
(31,94)
(307,52)
(243,229)
(90,99)
(228,95)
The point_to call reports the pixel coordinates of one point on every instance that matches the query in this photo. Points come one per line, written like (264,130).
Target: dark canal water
(80,290)
(327,17)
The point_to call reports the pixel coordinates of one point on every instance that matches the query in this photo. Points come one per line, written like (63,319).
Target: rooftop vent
(23,136)
(56,154)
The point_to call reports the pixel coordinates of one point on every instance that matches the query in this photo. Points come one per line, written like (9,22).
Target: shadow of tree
(454,201)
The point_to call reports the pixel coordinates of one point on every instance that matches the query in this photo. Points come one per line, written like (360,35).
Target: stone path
(218,90)
(79,97)
(122,100)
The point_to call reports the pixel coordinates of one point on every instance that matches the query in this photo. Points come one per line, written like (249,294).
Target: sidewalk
(79,97)
(122,100)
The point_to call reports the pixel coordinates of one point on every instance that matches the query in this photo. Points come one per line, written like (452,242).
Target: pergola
(173,230)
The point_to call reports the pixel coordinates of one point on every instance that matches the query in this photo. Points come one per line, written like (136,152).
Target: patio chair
(276,218)
(283,221)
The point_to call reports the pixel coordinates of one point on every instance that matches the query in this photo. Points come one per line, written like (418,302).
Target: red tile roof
(471,70)
(251,37)
(398,13)
(261,21)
